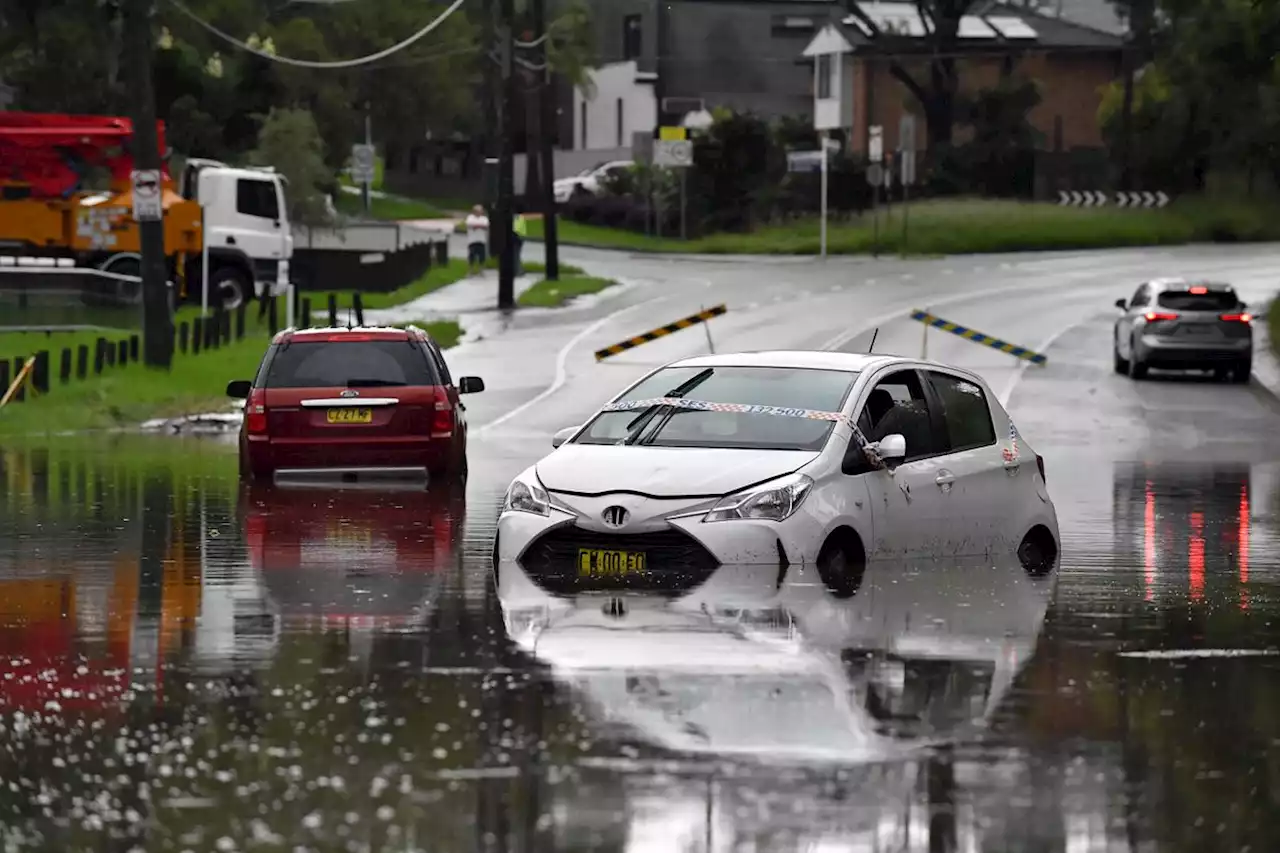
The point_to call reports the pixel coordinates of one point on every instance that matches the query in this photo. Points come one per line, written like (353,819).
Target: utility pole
(368,140)
(502,223)
(157,324)
(546,150)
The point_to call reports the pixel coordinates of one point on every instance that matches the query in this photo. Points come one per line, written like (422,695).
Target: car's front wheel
(841,565)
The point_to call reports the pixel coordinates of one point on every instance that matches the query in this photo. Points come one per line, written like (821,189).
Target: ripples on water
(187,665)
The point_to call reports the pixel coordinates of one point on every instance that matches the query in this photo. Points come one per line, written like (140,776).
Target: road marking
(1184,654)
(562,359)
(1022,368)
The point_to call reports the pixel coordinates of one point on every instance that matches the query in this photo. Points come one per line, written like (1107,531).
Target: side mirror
(1122,305)
(239,389)
(892,448)
(470,385)
(563,435)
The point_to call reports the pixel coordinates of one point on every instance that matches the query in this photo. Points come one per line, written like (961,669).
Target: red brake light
(442,420)
(1236,318)
(1198,291)
(255,412)
(1153,316)
(1040,465)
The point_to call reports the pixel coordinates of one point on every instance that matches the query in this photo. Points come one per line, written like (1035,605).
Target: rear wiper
(639,422)
(374,383)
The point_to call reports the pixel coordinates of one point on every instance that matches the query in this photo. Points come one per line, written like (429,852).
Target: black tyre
(1243,371)
(1038,552)
(1222,374)
(1121,365)
(841,566)
(228,286)
(1137,368)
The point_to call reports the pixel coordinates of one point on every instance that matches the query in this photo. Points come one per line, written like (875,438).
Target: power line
(307,63)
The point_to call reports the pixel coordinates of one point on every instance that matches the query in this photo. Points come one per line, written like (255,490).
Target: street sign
(875,146)
(362,164)
(673,134)
(907,148)
(673,153)
(875,174)
(804,161)
(642,146)
(147,203)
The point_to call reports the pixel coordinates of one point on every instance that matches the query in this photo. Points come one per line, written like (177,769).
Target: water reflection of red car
(355,556)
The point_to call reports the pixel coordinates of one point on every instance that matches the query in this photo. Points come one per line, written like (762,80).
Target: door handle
(944,480)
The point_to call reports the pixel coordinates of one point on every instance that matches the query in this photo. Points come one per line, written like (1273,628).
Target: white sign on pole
(875,145)
(363,166)
(907,148)
(673,153)
(147,203)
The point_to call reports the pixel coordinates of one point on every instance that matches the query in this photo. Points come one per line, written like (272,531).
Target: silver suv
(1176,324)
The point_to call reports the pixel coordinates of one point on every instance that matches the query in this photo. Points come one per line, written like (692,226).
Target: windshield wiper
(641,420)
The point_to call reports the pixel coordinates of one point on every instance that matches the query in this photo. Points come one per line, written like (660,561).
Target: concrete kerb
(1266,367)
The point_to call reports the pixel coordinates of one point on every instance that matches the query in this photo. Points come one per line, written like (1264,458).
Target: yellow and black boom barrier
(661,332)
(979,338)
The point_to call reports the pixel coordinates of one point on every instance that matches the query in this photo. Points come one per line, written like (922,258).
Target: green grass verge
(967,226)
(552,294)
(127,396)
(1273,326)
(386,208)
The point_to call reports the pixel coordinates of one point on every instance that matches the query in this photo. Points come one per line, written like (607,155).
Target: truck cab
(247,233)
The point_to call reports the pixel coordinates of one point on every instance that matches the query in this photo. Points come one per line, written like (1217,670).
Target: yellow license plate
(349,416)
(598,563)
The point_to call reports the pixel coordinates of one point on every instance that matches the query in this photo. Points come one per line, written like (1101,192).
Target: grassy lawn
(965,226)
(387,208)
(552,294)
(1273,326)
(127,396)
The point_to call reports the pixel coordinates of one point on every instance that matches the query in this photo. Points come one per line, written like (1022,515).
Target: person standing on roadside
(477,225)
(520,230)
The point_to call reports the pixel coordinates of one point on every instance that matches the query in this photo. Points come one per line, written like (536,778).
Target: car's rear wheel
(1244,369)
(1137,368)
(1120,364)
(1038,551)
(842,563)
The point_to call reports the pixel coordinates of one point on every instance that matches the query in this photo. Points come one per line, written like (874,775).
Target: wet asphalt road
(191,666)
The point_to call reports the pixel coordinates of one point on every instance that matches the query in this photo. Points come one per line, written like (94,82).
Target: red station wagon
(354,405)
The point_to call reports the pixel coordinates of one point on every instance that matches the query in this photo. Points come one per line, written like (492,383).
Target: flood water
(192,666)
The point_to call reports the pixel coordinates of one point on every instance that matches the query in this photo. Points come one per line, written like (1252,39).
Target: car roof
(1184,283)
(812,359)
(340,334)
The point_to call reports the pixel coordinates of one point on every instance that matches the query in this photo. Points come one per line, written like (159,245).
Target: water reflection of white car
(782,669)
(826,459)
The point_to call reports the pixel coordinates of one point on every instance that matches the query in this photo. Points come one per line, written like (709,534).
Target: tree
(290,141)
(937,90)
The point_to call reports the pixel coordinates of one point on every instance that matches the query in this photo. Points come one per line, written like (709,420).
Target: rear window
(348,364)
(1181,300)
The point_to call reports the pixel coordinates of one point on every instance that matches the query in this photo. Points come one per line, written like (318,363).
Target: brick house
(855,89)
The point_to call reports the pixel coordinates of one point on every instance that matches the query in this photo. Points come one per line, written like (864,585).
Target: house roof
(900,23)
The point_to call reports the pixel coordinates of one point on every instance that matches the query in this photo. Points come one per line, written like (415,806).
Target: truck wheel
(123,264)
(228,286)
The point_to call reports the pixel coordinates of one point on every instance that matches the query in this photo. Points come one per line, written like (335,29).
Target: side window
(1141,296)
(965,411)
(257,198)
(437,358)
(898,405)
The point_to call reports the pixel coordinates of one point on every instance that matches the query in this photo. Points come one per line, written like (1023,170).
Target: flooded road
(193,666)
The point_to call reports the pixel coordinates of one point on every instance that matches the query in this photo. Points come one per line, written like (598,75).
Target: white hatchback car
(817,458)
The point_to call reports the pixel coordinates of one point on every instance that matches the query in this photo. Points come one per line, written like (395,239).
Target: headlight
(773,501)
(527,497)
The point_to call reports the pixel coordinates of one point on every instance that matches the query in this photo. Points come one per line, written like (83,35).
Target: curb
(1266,367)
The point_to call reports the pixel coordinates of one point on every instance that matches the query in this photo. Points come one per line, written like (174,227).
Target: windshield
(785,387)
(349,364)
(1181,300)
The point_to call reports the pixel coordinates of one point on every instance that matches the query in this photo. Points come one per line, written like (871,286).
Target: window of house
(824,76)
(632,37)
(257,198)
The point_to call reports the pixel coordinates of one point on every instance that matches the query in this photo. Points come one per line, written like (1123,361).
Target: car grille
(674,561)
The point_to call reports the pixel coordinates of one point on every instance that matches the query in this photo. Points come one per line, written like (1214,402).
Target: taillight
(1154,316)
(442,420)
(1236,318)
(1040,465)
(255,412)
